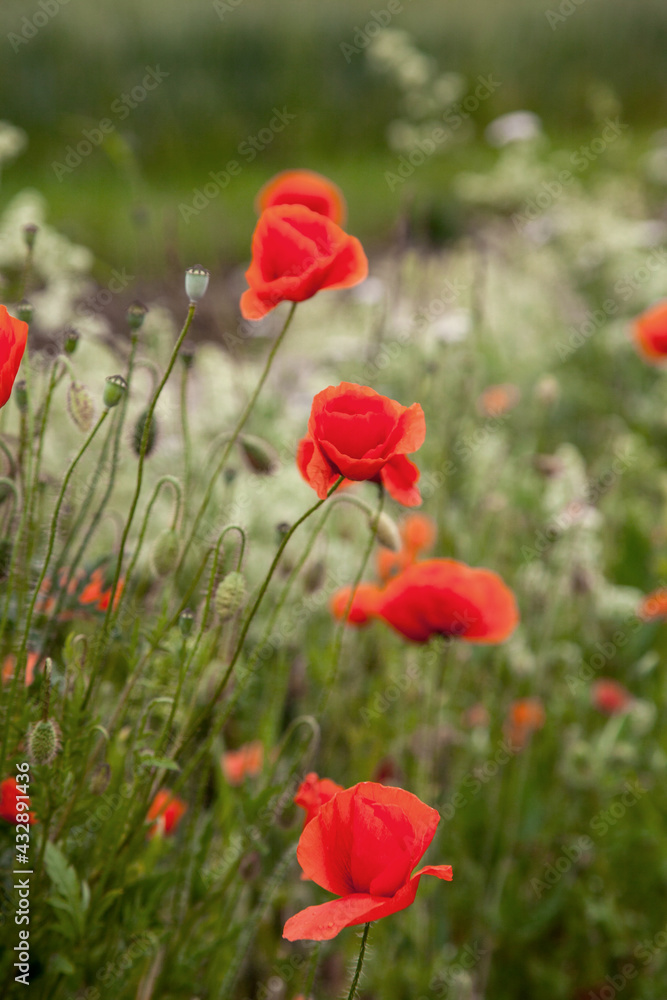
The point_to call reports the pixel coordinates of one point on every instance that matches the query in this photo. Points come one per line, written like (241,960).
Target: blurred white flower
(517,126)
(13,141)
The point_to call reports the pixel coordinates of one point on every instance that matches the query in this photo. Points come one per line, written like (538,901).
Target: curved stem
(235,433)
(360,962)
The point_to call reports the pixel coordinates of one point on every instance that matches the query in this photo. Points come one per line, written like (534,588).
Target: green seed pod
(136,314)
(229,596)
(114,390)
(165,552)
(387,533)
(70,340)
(138,434)
(24,311)
(186,622)
(196,283)
(80,406)
(44,742)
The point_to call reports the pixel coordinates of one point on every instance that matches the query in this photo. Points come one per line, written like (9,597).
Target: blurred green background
(229,65)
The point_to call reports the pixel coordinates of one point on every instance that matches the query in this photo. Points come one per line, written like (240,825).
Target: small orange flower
(526,716)
(304,187)
(650,332)
(246,762)
(165,813)
(610,697)
(313,792)
(497,400)
(10,663)
(654,606)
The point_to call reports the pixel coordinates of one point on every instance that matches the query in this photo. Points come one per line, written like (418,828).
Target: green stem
(186,429)
(360,962)
(235,433)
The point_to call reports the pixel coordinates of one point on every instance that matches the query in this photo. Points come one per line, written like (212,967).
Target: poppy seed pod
(44,742)
(114,390)
(230,595)
(70,340)
(258,456)
(80,406)
(186,622)
(136,314)
(138,433)
(25,311)
(196,282)
(165,552)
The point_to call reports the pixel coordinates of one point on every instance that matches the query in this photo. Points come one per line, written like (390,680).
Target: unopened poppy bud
(187,354)
(21,395)
(136,314)
(29,234)
(196,282)
(165,552)
(230,595)
(138,433)
(114,390)
(80,406)
(99,779)
(186,622)
(258,455)
(24,311)
(70,340)
(229,474)
(282,529)
(314,577)
(44,742)
(387,533)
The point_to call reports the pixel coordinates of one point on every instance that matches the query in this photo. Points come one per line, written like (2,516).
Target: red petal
(399,477)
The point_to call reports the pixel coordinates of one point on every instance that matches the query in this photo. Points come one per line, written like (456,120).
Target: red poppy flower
(362,845)
(10,663)
(165,813)
(13,338)
(418,535)
(610,697)
(363,608)
(296,253)
(445,597)
(9,799)
(304,187)
(650,331)
(526,716)
(654,606)
(355,432)
(245,762)
(95,593)
(313,792)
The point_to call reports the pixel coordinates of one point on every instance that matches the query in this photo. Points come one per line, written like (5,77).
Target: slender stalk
(235,433)
(360,962)
(112,610)
(186,429)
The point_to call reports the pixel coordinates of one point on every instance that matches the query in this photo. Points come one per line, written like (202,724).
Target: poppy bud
(44,742)
(258,455)
(229,475)
(138,434)
(70,340)
(80,406)
(186,622)
(387,533)
(21,395)
(135,315)
(29,234)
(165,552)
(196,282)
(230,595)
(314,577)
(100,778)
(114,390)
(24,311)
